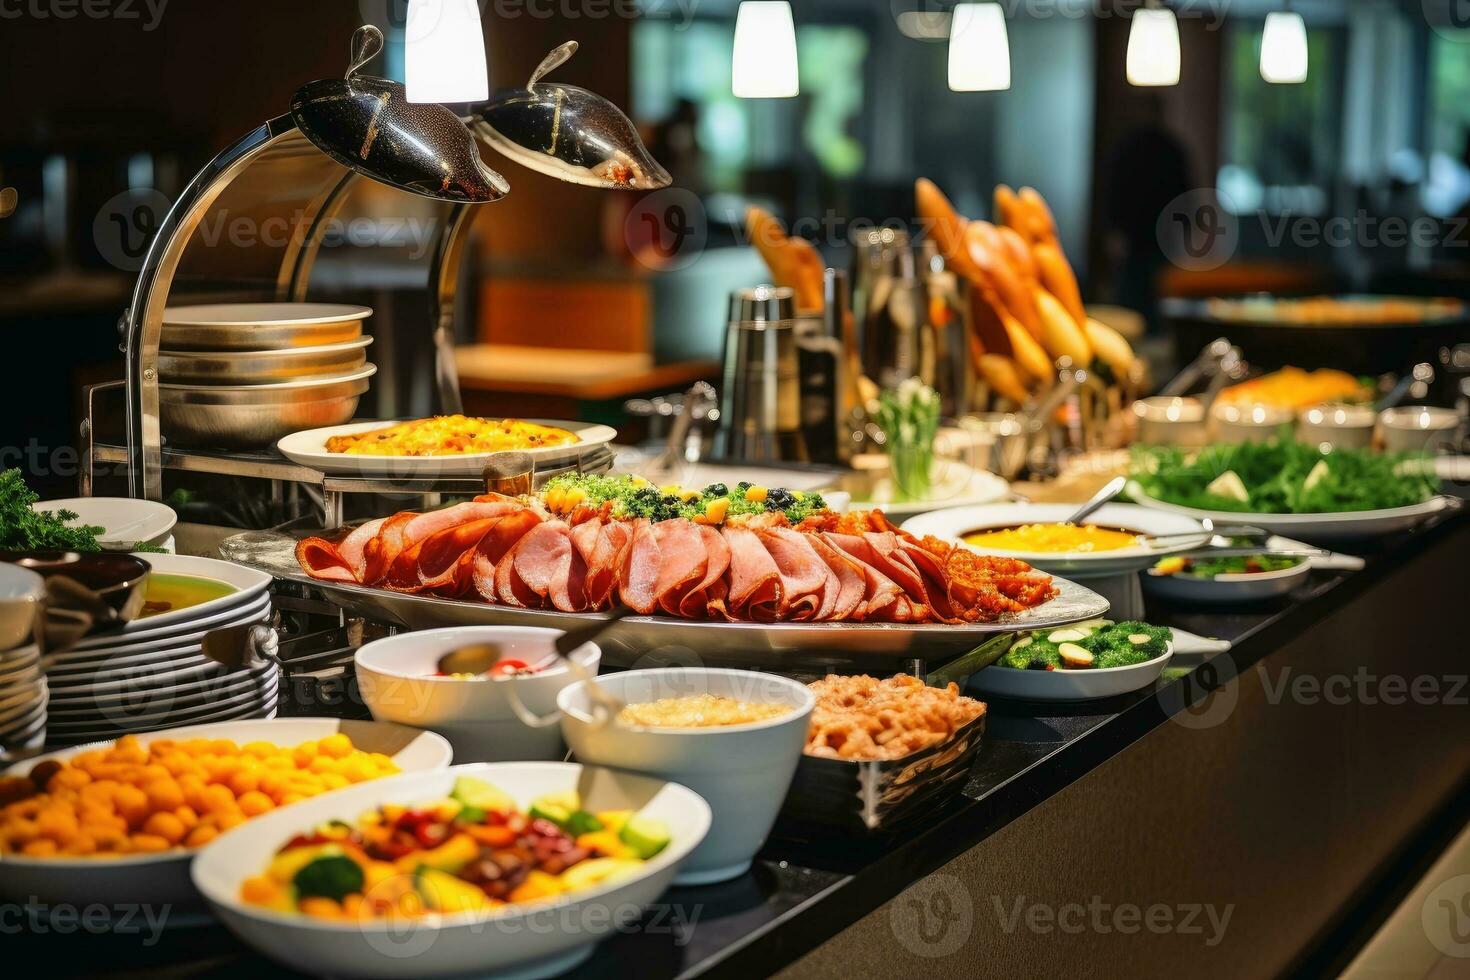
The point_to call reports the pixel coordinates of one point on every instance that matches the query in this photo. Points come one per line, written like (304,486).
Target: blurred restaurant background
(575,302)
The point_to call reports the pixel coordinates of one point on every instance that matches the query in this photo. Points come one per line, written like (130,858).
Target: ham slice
(696,603)
(493,547)
(682,562)
(880,592)
(804,575)
(755,581)
(851,584)
(323,560)
(639,570)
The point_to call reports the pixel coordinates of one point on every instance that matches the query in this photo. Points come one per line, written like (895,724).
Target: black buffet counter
(1237,819)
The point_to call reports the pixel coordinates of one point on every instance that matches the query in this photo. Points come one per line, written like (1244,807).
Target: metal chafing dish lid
(368,125)
(567,132)
(763,304)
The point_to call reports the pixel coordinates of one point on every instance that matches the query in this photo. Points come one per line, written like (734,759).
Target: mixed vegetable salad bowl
(514,868)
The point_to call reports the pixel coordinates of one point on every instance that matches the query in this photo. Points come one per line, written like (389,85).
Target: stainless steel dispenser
(760,391)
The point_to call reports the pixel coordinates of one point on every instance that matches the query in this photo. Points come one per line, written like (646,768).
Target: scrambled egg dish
(450,435)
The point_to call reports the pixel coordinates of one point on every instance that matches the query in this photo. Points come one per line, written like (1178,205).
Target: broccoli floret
(1032,653)
(1119,645)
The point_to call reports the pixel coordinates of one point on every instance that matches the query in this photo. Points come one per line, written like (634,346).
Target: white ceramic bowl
(534,939)
(1067,685)
(22,592)
(396,678)
(953,524)
(144,637)
(1232,423)
(161,879)
(125,521)
(1227,589)
(1419,429)
(743,771)
(248,583)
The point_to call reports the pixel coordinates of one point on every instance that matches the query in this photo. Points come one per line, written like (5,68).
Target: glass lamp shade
(1153,47)
(1284,48)
(979,50)
(445,52)
(764,62)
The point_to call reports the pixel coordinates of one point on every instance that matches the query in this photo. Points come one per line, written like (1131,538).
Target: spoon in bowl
(478,658)
(1110,490)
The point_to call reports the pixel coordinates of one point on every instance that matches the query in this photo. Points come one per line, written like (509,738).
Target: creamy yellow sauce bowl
(1053,538)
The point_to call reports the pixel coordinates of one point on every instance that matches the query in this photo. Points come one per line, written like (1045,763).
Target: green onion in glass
(909,418)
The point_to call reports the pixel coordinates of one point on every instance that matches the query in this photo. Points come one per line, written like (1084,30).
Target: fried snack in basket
(793,262)
(862,718)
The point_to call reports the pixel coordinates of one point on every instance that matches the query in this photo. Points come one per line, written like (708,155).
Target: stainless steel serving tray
(866,797)
(676,640)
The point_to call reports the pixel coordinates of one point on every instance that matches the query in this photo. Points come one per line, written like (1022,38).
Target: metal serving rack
(298,171)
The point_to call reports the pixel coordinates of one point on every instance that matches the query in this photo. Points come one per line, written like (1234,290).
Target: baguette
(1058,279)
(1111,348)
(948,227)
(992,257)
(1060,334)
(793,262)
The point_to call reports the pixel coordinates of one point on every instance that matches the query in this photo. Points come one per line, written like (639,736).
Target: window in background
(1281,142)
(1447,122)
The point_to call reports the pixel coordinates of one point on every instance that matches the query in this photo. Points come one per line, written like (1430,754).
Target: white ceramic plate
(955,523)
(1067,685)
(125,521)
(309,448)
(248,583)
(1344,527)
(102,722)
(95,699)
(1227,589)
(100,731)
(250,314)
(956,484)
(535,939)
(168,635)
(164,878)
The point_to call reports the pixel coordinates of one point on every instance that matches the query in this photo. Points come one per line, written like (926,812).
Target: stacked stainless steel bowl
(242,375)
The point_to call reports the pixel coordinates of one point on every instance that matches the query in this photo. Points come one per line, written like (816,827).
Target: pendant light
(1153,47)
(979,50)
(444,57)
(763,65)
(1284,48)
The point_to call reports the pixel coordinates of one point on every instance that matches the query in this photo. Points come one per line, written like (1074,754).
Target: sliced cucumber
(645,835)
(477,793)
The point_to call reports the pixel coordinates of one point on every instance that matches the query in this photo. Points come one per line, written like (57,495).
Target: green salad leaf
(1282,476)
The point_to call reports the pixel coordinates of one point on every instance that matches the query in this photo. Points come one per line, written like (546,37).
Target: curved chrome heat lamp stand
(300,168)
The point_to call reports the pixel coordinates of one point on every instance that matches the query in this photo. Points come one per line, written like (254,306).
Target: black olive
(1037,663)
(781,499)
(716,490)
(742,486)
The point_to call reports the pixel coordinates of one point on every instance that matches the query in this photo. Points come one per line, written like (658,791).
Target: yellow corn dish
(450,435)
(1053,538)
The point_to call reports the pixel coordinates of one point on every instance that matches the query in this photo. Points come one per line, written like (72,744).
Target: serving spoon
(477,658)
(1110,490)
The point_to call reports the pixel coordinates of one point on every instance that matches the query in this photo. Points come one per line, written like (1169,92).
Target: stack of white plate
(153,674)
(22,684)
